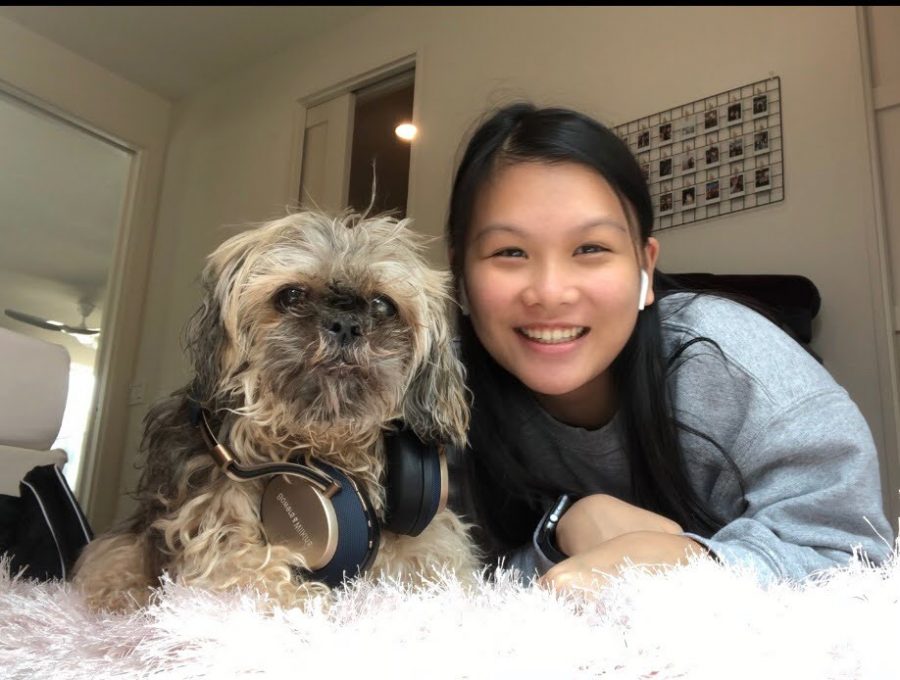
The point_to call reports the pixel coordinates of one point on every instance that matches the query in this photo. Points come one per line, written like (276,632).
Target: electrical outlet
(136,394)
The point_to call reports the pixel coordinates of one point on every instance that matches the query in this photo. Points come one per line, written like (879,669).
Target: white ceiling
(61,189)
(173,50)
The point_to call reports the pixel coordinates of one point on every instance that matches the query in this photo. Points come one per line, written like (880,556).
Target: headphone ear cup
(338,535)
(358,532)
(416,480)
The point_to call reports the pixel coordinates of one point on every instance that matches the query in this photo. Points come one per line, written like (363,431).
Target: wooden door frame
(879,255)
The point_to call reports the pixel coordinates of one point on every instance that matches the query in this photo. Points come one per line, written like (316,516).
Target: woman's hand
(590,569)
(596,519)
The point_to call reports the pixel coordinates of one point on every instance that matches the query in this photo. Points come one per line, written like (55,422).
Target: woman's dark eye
(383,306)
(589,248)
(289,297)
(509,252)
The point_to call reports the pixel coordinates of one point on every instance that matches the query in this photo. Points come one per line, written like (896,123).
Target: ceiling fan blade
(78,330)
(35,320)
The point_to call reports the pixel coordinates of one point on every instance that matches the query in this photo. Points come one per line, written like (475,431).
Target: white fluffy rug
(698,621)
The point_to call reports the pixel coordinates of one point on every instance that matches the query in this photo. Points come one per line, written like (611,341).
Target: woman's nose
(550,286)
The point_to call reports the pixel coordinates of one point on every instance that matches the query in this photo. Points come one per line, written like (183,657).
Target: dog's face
(318,323)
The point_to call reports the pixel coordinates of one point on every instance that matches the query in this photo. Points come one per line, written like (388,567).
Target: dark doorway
(380,108)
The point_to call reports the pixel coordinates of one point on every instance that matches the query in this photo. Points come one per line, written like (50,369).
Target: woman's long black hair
(509,496)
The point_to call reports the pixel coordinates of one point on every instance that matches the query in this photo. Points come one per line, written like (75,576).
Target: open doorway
(380,109)
(63,190)
(351,133)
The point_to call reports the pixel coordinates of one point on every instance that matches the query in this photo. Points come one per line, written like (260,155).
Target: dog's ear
(435,406)
(205,339)
(210,344)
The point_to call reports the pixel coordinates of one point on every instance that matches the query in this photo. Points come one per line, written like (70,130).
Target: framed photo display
(713,156)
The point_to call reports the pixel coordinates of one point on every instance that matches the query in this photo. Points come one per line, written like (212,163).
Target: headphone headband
(240,473)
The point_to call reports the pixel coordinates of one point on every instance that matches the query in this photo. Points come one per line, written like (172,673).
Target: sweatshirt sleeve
(813,493)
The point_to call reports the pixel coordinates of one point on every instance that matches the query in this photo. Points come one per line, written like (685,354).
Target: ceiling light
(406,131)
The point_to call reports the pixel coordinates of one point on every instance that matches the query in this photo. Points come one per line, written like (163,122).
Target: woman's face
(553,279)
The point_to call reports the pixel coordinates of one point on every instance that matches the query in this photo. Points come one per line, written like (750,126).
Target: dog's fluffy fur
(267,361)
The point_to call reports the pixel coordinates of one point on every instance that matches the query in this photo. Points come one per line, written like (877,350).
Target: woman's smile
(553,335)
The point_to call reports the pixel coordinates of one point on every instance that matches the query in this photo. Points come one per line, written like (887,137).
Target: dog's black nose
(344,328)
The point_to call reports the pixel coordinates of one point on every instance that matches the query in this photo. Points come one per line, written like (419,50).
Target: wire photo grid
(712,157)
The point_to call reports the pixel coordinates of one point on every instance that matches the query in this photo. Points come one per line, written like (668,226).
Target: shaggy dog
(316,335)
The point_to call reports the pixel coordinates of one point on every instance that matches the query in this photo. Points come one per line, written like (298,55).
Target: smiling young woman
(644,424)
(553,281)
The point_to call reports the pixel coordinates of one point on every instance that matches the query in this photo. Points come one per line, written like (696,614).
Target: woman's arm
(603,533)
(813,499)
(588,531)
(591,568)
(598,518)
(813,493)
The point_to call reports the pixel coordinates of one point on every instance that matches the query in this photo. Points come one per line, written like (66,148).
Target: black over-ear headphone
(324,515)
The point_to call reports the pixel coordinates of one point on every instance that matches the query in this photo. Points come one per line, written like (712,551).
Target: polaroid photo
(760,105)
(734,113)
(643,139)
(712,191)
(688,128)
(645,171)
(665,133)
(665,203)
(712,156)
(762,179)
(761,142)
(688,163)
(736,148)
(736,185)
(665,167)
(687,198)
(711,119)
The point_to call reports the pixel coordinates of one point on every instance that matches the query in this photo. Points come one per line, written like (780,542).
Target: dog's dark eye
(289,297)
(383,306)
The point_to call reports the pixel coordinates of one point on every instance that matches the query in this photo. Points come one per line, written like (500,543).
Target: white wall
(54,78)
(231,153)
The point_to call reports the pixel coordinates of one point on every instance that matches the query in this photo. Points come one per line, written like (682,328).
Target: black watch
(545,535)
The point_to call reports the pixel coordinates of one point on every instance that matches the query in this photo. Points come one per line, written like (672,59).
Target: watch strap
(545,534)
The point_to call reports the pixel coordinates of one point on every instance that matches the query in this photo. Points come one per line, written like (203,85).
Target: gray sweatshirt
(806,454)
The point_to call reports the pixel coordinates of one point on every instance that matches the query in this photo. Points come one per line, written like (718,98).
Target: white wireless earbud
(463,298)
(645,283)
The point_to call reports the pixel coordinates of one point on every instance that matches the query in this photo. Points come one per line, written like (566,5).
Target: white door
(328,140)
